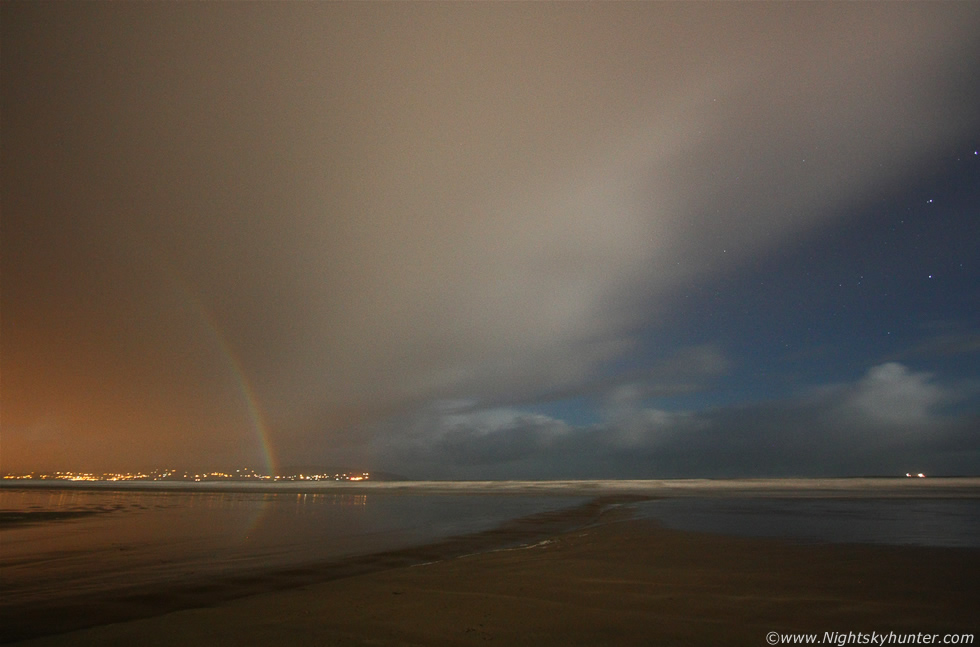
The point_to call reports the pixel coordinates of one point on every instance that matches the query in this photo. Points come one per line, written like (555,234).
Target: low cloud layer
(890,421)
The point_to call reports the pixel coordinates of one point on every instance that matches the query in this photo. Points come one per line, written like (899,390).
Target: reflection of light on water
(159,537)
(303,503)
(332,499)
(311,498)
(74,500)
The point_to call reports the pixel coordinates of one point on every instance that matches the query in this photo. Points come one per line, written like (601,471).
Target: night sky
(492,240)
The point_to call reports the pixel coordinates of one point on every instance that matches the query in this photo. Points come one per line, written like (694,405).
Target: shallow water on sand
(72,542)
(889,521)
(76,557)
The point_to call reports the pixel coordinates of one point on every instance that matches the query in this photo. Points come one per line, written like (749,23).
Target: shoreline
(619,582)
(863,487)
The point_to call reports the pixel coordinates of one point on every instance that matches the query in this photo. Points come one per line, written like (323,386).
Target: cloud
(496,436)
(892,394)
(440,443)
(889,421)
(361,209)
(687,370)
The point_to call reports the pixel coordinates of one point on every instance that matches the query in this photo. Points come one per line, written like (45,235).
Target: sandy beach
(622,582)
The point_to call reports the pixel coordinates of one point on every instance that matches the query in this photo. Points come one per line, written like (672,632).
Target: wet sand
(622,582)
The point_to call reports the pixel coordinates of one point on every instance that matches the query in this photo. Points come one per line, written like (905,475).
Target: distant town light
(172,475)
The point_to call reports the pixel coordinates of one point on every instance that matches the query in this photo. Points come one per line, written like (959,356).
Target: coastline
(865,487)
(619,582)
